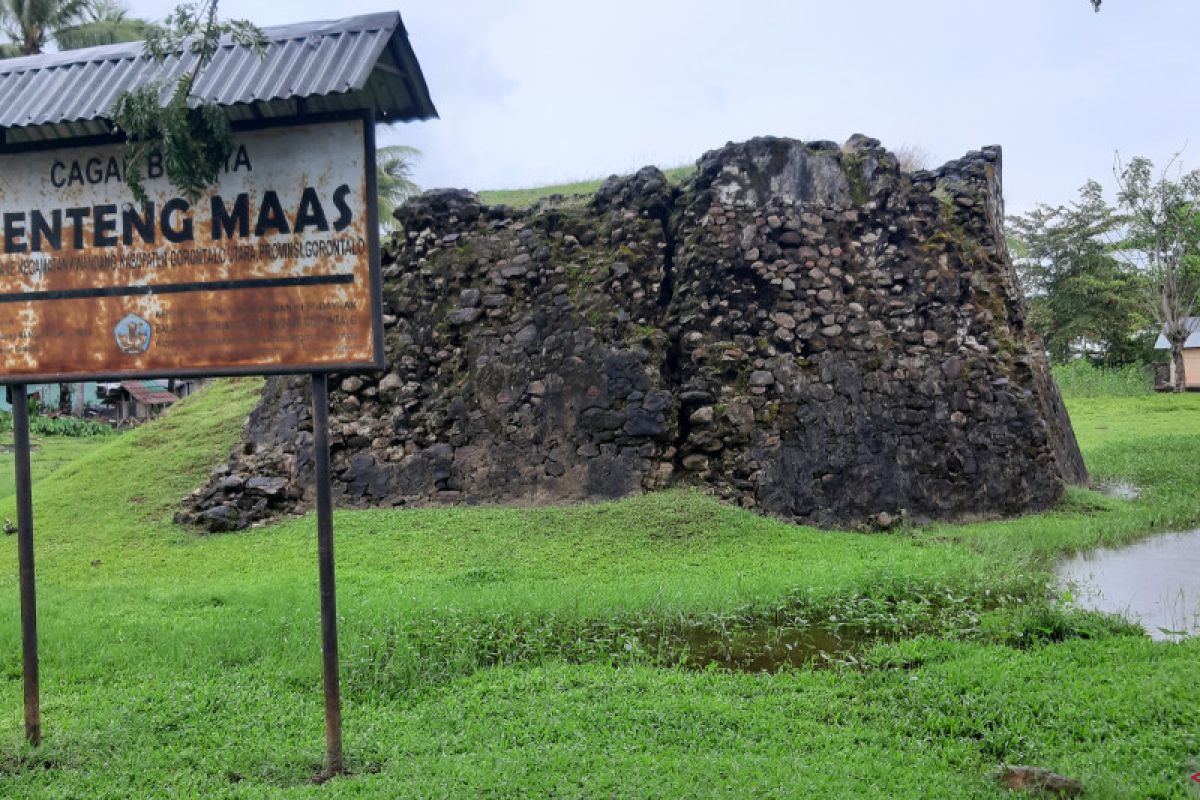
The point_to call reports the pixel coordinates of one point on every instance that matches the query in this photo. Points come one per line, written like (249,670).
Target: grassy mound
(531,652)
(575,193)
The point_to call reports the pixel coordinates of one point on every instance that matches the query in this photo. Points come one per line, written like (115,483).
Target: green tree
(30,25)
(393,180)
(1160,212)
(1083,300)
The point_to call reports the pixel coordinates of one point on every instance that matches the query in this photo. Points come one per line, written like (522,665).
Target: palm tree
(393,179)
(103,22)
(30,25)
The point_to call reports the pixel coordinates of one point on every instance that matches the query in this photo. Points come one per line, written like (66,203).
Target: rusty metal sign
(274,270)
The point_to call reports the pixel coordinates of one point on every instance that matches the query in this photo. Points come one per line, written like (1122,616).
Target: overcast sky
(540,91)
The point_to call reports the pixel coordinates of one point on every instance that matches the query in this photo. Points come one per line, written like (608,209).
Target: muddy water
(1155,582)
(763,648)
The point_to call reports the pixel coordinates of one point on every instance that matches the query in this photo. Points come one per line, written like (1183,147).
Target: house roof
(149,393)
(1193,340)
(362,62)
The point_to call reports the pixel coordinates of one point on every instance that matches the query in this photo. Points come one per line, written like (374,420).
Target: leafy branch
(193,138)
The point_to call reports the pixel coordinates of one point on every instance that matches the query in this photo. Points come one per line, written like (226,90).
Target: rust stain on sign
(272,271)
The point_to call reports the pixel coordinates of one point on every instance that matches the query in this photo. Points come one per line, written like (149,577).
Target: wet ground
(1119,490)
(763,648)
(1155,582)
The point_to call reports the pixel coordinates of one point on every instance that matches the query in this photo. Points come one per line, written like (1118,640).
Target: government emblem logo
(133,335)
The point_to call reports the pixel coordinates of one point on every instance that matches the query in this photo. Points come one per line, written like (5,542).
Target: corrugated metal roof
(308,68)
(149,393)
(1193,339)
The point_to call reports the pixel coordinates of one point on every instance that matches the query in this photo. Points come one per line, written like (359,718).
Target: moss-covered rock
(801,327)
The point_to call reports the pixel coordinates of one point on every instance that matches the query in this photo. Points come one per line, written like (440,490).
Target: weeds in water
(410,654)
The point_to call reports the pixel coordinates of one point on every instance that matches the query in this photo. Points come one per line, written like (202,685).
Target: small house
(1191,355)
(137,400)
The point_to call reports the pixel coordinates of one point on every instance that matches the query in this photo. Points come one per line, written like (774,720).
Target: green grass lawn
(49,454)
(534,652)
(577,192)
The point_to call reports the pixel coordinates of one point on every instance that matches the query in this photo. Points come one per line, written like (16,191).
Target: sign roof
(352,64)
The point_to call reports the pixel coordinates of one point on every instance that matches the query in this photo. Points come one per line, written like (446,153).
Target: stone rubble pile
(801,328)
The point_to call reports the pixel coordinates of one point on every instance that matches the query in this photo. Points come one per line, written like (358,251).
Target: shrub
(1081,378)
(56,426)
(66,426)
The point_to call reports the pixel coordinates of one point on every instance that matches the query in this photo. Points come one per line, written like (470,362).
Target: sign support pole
(29,639)
(334,764)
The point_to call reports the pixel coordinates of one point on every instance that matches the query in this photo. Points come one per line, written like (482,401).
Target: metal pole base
(29,637)
(334,762)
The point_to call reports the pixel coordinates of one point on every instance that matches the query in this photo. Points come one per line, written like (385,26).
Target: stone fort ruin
(801,328)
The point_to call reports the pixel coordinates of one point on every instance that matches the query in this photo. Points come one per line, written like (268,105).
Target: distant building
(143,399)
(1191,355)
(49,397)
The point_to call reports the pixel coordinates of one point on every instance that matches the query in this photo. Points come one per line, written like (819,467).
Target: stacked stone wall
(801,328)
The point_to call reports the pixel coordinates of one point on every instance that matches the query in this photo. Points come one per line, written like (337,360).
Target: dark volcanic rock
(222,519)
(269,486)
(801,328)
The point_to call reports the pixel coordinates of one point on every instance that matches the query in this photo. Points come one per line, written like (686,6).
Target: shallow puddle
(1155,582)
(1119,490)
(759,649)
